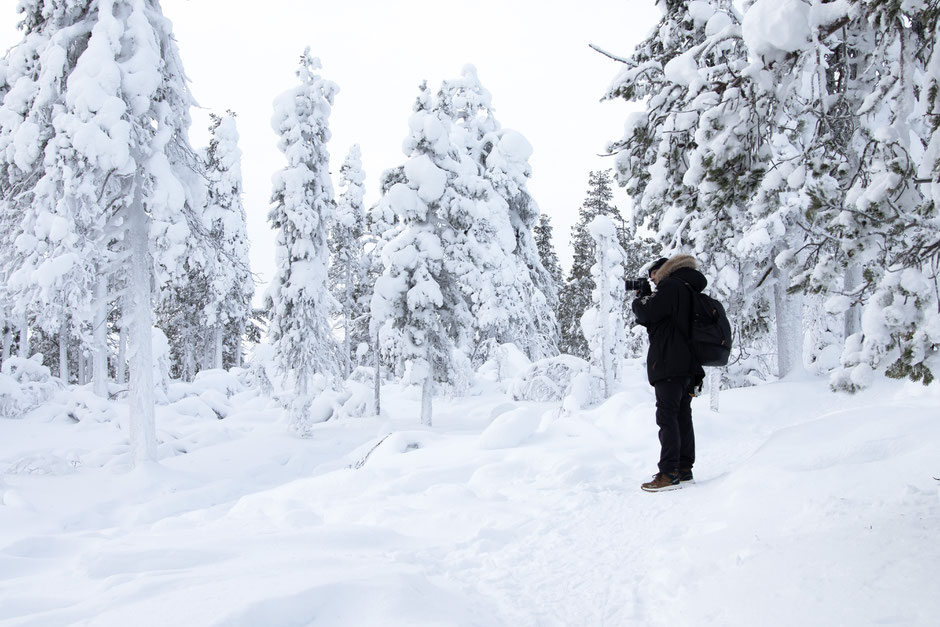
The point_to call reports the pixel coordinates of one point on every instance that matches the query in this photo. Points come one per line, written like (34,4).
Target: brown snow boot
(662,481)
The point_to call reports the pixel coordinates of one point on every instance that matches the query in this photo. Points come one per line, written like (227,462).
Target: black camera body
(636,284)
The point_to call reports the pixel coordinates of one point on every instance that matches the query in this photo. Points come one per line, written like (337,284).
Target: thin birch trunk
(239,354)
(7,343)
(788,313)
(143,430)
(120,368)
(714,387)
(853,316)
(24,338)
(427,391)
(189,358)
(64,349)
(378,376)
(100,354)
(346,307)
(217,345)
(82,367)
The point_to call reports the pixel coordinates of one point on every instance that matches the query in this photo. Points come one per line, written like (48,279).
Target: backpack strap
(685,336)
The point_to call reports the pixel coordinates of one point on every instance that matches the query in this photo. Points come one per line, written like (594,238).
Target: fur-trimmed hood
(675,263)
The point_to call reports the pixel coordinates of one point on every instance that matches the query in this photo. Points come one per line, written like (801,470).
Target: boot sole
(678,486)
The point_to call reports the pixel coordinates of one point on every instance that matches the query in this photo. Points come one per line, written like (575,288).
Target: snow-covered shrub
(362,374)
(360,399)
(161,365)
(24,385)
(262,368)
(587,389)
(504,362)
(12,398)
(551,379)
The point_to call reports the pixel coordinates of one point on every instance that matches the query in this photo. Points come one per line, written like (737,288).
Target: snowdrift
(809,508)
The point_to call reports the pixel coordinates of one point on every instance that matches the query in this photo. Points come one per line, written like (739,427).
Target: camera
(640,286)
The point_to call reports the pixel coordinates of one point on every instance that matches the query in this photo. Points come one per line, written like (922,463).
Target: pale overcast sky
(532,55)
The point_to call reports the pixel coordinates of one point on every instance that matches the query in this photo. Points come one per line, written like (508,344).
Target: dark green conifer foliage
(576,293)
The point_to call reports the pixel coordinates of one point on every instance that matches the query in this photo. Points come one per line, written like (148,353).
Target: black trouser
(674,417)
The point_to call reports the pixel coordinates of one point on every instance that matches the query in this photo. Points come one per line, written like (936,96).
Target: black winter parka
(663,313)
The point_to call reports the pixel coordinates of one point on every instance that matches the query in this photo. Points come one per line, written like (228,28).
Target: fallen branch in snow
(362,462)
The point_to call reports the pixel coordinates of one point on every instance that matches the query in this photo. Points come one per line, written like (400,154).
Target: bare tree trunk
(788,312)
(217,345)
(24,338)
(853,316)
(378,376)
(347,355)
(100,354)
(714,387)
(7,343)
(64,349)
(427,392)
(189,358)
(239,354)
(143,430)
(82,366)
(120,368)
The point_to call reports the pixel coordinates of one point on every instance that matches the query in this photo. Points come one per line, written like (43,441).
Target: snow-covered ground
(810,508)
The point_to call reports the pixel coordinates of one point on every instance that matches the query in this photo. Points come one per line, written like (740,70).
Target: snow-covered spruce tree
(418,309)
(180,311)
(544,241)
(303,206)
(695,157)
(575,296)
(892,203)
(507,168)
(493,251)
(348,263)
(382,225)
(113,199)
(51,247)
(604,323)
(231,286)
(849,100)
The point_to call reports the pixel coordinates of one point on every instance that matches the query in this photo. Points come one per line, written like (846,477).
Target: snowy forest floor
(810,508)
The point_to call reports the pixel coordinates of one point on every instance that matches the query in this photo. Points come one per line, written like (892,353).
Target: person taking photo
(671,366)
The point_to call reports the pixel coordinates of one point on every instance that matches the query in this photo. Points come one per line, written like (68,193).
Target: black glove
(645,290)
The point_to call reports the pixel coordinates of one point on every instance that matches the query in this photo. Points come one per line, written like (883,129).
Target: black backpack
(710,338)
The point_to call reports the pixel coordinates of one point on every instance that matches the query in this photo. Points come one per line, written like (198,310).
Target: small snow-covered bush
(363,374)
(503,363)
(161,365)
(12,398)
(24,385)
(551,379)
(262,368)
(587,389)
(361,401)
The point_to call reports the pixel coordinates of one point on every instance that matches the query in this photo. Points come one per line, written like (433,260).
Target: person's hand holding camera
(640,286)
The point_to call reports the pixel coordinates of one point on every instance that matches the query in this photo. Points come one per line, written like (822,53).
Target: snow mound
(510,429)
(219,380)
